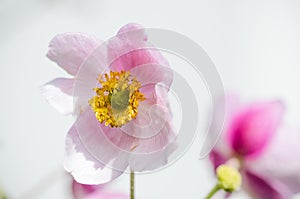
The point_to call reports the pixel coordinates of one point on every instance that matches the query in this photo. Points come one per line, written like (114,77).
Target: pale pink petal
(260,187)
(156,138)
(132,27)
(281,160)
(139,136)
(69,50)
(150,161)
(87,77)
(145,153)
(114,147)
(154,152)
(156,141)
(153,124)
(130,48)
(84,167)
(104,143)
(253,128)
(149,122)
(150,74)
(162,97)
(162,133)
(155,94)
(58,93)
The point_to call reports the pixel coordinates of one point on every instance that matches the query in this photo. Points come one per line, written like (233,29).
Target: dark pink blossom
(268,154)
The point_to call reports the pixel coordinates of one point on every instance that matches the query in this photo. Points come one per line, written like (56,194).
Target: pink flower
(118,91)
(81,191)
(268,154)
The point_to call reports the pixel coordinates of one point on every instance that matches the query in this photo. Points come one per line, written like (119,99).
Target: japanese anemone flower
(118,93)
(266,152)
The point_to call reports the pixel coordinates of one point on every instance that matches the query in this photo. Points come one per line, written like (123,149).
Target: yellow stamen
(116,101)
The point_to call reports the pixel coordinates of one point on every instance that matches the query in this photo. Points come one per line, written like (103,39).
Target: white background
(254,44)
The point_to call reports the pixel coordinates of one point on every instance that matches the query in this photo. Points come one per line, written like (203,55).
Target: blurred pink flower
(253,135)
(135,129)
(81,191)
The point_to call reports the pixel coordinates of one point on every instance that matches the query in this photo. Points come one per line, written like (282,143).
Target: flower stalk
(131,184)
(214,190)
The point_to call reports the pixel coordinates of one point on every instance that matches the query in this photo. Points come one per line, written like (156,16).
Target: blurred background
(255,46)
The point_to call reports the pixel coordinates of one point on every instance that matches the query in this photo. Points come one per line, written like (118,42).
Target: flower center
(117,99)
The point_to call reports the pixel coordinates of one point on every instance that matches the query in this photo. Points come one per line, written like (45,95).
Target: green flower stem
(131,184)
(213,191)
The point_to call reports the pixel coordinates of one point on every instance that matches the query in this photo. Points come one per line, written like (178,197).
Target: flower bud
(229,178)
